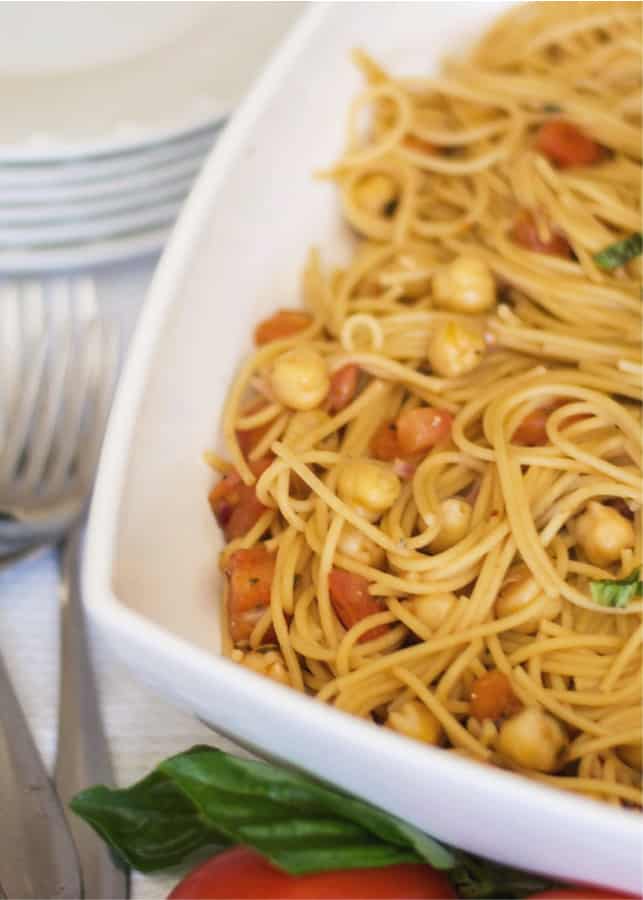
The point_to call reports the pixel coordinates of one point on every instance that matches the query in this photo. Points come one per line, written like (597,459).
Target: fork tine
(42,434)
(106,368)
(10,343)
(70,419)
(21,416)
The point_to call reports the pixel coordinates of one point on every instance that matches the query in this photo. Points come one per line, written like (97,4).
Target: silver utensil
(37,857)
(65,367)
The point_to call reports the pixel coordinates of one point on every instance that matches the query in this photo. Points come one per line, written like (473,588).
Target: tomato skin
(343,386)
(384,443)
(352,601)
(242,872)
(525,233)
(250,573)
(492,696)
(284,323)
(420,429)
(566,145)
(580,893)
(235,504)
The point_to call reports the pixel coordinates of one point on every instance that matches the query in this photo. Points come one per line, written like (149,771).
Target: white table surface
(142,729)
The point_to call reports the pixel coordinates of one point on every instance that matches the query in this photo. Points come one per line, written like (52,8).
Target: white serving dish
(151,579)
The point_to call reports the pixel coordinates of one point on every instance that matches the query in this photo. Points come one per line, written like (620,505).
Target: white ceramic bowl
(151,579)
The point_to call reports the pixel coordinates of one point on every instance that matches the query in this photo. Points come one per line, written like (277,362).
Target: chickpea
(356,545)
(414,720)
(300,378)
(603,533)
(454,350)
(369,485)
(520,591)
(271,664)
(303,423)
(465,285)
(533,739)
(455,519)
(432,609)
(377,194)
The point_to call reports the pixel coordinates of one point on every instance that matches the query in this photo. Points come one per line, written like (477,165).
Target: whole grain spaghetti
(433,502)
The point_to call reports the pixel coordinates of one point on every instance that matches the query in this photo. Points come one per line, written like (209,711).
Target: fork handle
(82,758)
(37,857)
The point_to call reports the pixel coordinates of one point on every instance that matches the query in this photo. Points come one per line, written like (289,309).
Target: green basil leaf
(299,815)
(206,798)
(616,592)
(478,878)
(621,252)
(152,825)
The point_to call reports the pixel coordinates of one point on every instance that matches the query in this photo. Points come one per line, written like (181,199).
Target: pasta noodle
(433,506)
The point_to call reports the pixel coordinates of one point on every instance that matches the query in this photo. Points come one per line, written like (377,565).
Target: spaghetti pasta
(435,486)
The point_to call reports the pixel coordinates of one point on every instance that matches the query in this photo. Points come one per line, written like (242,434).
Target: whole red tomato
(241,872)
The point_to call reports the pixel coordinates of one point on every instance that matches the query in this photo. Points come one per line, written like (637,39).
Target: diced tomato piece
(385,444)
(566,145)
(283,324)
(532,431)
(412,142)
(235,504)
(422,428)
(250,573)
(525,233)
(352,601)
(343,386)
(492,696)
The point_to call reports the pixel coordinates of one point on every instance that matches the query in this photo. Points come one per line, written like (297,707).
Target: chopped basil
(617,592)
(621,252)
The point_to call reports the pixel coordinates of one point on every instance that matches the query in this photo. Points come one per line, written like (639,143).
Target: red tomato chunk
(250,573)
(352,601)
(566,145)
(285,323)
(235,504)
(420,429)
(385,444)
(343,387)
(525,233)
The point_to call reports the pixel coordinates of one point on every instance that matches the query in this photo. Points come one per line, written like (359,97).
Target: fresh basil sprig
(207,798)
(621,252)
(617,592)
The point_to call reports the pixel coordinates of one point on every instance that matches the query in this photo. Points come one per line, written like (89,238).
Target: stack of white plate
(108,110)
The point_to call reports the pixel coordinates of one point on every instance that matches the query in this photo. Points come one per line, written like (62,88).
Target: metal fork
(63,374)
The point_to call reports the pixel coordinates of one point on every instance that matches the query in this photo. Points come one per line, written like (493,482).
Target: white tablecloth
(142,728)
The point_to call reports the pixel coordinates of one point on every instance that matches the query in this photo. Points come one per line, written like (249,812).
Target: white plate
(187,83)
(151,577)
(36,176)
(83,255)
(82,211)
(44,38)
(93,229)
(144,180)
